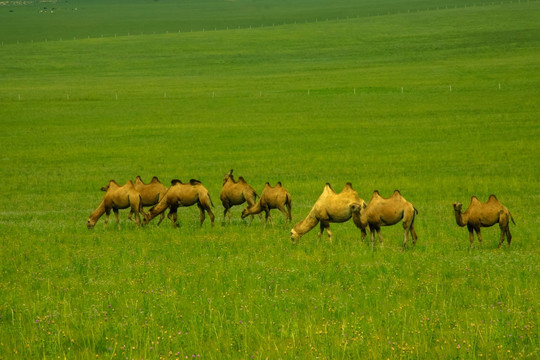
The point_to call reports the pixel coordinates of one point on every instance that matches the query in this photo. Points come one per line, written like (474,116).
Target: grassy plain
(438,101)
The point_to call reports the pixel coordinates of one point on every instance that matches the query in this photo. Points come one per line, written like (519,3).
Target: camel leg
(201,211)
(107,213)
(503,233)
(325,225)
(504,224)
(173,216)
(413,233)
(130,215)
(267,216)
(405,237)
(284,212)
(161,217)
(115,211)
(508,235)
(364,234)
(478,234)
(210,214)
(137,218)
(471,236)
(372,235)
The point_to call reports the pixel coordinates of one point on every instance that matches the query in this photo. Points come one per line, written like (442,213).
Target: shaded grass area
(440,104)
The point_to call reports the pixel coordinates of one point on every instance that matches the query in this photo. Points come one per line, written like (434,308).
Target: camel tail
(288,203)
(511,218)
(415,210)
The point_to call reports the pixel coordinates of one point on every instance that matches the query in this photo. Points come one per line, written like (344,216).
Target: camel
(329,208)
(484,215)
(183,195)
(151,193)
(385,212)
(271,198)
(117,197)
(236,193)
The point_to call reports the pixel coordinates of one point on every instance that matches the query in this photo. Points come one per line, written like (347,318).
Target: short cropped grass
(439,101)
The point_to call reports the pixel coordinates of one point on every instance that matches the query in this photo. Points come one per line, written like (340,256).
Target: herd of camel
(330,207)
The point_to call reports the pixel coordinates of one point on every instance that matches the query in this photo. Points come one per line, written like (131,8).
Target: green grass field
(437,99)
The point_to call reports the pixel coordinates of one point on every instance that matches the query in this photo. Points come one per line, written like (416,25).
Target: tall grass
(441,104)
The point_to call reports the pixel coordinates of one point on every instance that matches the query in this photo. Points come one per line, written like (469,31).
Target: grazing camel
(329,208)
(236,193)
(271,198)
(117,197)
(484,215)
(385,212)
(151,193)
(183,195)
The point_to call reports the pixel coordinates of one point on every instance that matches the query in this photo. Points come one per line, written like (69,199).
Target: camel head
(295,236)
(228,176)
(90,224)
(458,206)
(245,213)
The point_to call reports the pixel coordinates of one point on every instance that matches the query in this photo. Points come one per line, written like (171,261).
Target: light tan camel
(329,208)
(385,212)
(271,198)
(151,193)
(117,197)
(484,215)
(236,193)
(183,195)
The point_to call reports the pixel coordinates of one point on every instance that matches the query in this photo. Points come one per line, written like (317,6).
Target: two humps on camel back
(385,212)
(117,197)
(271,198)
(182,195)
(485,214)
(236,192)
(330,207)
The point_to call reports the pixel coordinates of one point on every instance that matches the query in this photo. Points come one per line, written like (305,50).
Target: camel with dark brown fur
(484,215)
(183,195)
(385,212)
(271,198)
(329,208)
(236,193)
(117,197)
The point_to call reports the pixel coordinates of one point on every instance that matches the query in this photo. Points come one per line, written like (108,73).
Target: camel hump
(348,185)
(176,181)
(492,198)
(138,178)
(155,180)
(279,184)
(397,192)
(195,182)
(241,179)
(474,199)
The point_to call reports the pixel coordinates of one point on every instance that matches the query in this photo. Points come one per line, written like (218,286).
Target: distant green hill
(53,20)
